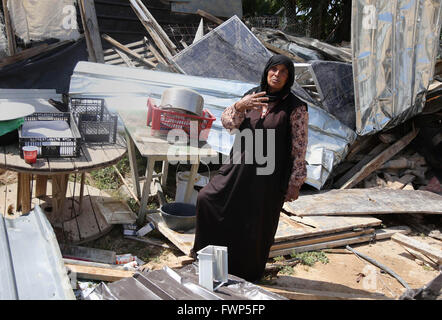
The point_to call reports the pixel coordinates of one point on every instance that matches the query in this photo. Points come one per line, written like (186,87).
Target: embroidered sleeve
(299,134)
(232,118)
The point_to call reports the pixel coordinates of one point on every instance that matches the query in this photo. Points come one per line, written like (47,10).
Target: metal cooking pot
(182,99)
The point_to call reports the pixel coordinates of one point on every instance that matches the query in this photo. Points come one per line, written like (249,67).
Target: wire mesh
(179,33)
(289,24)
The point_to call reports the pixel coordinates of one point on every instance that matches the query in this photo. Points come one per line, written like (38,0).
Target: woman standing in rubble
(239,208)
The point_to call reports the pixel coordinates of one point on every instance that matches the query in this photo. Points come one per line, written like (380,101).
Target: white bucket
(182,178)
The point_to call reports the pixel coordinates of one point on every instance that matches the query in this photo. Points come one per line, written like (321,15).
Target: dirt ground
(344,273)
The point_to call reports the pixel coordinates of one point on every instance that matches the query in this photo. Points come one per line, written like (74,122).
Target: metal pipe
(379,265)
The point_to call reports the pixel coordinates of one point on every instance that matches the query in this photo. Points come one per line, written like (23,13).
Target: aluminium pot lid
(15,110)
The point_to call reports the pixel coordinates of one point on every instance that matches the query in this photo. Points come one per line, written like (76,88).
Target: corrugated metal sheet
(181,284)
(31,264)
(124,87)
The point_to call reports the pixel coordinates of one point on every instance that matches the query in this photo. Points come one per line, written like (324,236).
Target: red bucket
(30,154)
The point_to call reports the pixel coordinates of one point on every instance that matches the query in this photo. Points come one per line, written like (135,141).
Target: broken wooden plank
(419,246)
(155,52)
(125,58)
(131,45)
(281,51)
(159,30)
(209,17)
(129,52)
(380,159)
(31,52)
(308,294)
(98,273)
(148,25)
(366,201)
(357,167)
(380,234)
(87,254)
(319,239)
(141,51)
(362,143)
(91,31)
(95,264)
(291,228)
(10,34)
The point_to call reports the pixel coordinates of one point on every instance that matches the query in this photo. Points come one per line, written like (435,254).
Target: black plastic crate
(94,121)
(53,147)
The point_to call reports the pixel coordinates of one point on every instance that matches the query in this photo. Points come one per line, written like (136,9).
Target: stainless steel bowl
(183,99)
(179,216)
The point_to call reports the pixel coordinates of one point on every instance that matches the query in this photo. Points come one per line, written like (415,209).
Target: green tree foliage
(328,19)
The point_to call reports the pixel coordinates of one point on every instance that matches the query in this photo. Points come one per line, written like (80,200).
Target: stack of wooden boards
(301,234)
(331,219)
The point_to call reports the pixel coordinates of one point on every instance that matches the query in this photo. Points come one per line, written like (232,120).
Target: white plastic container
(182,178)
(212,266)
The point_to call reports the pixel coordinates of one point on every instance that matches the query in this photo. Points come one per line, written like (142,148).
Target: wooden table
(156,148)
(58,170)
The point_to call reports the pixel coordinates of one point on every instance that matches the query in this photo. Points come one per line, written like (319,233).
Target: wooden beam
(158,28)
(365,201)
(98,273)
(209,17)
(91,30)
(379,160)
(31,52)
(319,239)
(378,235)
(125,58)
(419,246)
(126,50)
(281,51)
(155,52)
(148,25)
(308,294)
(10,34)
(357,167)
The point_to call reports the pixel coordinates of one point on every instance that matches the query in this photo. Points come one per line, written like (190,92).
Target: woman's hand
(252,101)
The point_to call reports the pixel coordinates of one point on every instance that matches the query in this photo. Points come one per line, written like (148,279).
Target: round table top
(92,156)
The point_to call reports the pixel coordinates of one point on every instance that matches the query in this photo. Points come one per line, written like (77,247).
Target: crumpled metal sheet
(318,50)
(394,49)
(31,265)
(122,87)
(181,284)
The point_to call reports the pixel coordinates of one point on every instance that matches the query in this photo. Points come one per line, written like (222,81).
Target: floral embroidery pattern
(232,118)
(299,133)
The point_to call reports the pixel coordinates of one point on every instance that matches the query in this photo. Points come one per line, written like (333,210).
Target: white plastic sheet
(39,20)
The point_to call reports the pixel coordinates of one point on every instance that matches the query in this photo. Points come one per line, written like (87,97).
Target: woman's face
(277,77)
